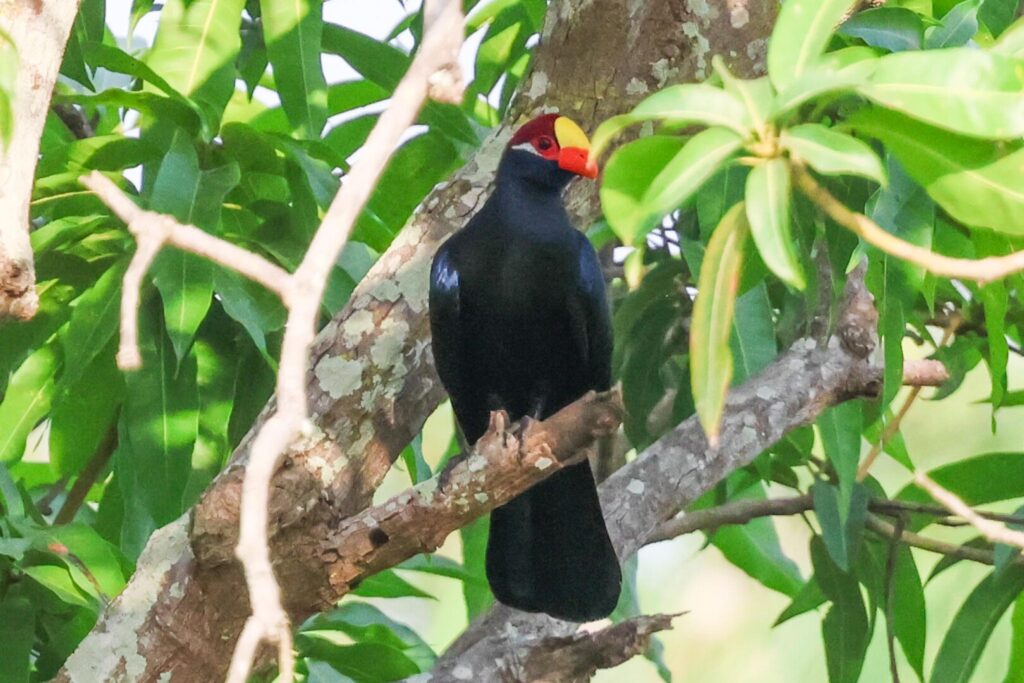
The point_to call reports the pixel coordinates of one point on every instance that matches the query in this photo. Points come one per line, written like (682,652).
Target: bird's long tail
(549,550)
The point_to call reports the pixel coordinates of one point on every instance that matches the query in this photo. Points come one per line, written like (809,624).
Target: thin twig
(979,270)
(894,424)
(88,476)
(993,531)
(433,71)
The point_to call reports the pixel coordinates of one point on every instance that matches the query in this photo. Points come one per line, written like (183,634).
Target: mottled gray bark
(372,382)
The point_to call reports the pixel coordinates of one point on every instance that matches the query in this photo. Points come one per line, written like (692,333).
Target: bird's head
(549,150)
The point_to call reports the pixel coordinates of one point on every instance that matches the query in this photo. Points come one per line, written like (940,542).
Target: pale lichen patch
(462,673)
(636,87)
(481,497)
(538,85)
(543,463)
(339,376)
(111,651)
(387,350)
(357,326)
(663,72)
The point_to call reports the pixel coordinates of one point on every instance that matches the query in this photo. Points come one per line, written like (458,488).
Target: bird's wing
(445,328)
(592,309)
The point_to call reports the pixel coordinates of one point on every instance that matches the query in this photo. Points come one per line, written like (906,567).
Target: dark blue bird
(520,322)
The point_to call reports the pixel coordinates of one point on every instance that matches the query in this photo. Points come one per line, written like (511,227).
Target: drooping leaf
(94,320)
(768,212)
(840,428)
(292,31)
(973,625)
(800,35)
(841,516)
(1015,672)
(30,392)
(711,360)
(388,584)
(195,49)
(17,632)
(627,176)
(845,628)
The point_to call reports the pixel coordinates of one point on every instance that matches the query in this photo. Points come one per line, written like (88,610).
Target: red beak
(577,160)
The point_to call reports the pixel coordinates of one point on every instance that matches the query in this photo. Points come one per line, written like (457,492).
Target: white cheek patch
(527,147)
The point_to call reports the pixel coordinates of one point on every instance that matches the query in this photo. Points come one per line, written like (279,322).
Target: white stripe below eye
(527,147)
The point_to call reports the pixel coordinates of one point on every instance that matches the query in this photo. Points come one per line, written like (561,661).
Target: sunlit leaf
(768,212)
(830,152)
(800,35)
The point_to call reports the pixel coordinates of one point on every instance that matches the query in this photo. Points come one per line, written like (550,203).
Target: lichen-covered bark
(39,29)
(372,382)
(679,468)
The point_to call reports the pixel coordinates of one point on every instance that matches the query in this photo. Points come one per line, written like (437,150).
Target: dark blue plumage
(520,322)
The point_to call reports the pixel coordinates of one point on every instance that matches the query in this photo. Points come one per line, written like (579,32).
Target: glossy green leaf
(680,105)
(94,319)
(808,598)
(838,71)
(957,27)
(17,633)
(260,312)
(768,211)
(292,31)
(890,28)
(909,609)
(388,584)
(845,627)
(962,90)
(756,94)
(476,594)
(1015,672)
(195,49)
(363,662)
(82,418)
(801,33)
(840,428)
(58,581)
(711,362)
(1011,43)
(841,516)
(161,416)
(753,336)
(971,179)
(27,400)
(627,176)
(973,625)
(365,623)
(754,548)
(831,152)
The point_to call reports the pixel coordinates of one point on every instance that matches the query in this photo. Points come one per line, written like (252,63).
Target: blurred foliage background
(242,117)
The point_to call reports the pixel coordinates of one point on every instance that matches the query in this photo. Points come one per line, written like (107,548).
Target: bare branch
(979,270)
(39,30)
(993,531)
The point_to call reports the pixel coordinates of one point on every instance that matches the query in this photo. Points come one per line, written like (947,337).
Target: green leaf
(292,31)
(767,202)
(195,49)
(388,584)
(94,319)
(808,598)
(909,611)
(364,623)
(415,465)
(17,633)
(754,547)
(969,178)
(476,594)
(841,517)
(957,27)
(836,72)
(840,428)
(259,311)
(978,480)
(161,417)
(106,566)
(711,360)
(627,176)
(362,662)
(27,400)
(1015,672)
(753,336)
(962,90)
(82,418)
(756,94)
(687,171)
(845,628)
(800,35)
(679,105)
(58,581)
(890,28)
(830,152)
(997,15)
(1011,43)
(973,625)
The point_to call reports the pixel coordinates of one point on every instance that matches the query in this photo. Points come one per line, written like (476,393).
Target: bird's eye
(544,144)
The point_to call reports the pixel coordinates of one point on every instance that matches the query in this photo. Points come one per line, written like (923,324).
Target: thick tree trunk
(39,29)
(372,382)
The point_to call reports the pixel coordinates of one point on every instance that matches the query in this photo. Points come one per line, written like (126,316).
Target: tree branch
(39,30)
(979,270)
(993,531)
